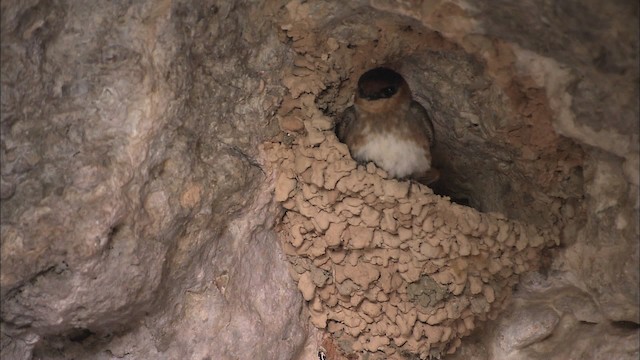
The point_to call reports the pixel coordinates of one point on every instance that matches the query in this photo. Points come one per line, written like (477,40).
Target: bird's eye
(389,91)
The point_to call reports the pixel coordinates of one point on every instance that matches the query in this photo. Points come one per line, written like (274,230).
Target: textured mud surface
(388,266)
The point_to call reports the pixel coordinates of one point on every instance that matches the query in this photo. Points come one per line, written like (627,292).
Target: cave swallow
(387,127)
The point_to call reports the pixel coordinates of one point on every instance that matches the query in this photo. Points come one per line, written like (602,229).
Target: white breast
(399,157)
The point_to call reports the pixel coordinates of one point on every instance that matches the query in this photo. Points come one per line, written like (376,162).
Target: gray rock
(128,167)
(526,326)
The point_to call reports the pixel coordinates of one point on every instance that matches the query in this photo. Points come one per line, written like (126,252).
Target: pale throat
(386,141)
(393,152)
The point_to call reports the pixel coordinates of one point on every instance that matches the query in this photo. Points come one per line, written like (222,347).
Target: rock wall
(134,214)
(138,216)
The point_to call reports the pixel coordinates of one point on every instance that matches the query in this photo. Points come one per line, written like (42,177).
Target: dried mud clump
(387,266)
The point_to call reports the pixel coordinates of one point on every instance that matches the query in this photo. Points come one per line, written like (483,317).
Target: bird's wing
(419,112)
(345,124)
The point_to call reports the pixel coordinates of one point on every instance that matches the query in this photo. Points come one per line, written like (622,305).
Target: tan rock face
(131,200)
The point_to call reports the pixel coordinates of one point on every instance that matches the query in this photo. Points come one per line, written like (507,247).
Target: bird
(387,127)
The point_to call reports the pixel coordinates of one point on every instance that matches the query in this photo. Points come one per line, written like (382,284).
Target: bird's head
(381,89)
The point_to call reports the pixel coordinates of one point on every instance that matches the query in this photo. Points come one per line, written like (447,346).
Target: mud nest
(389,267)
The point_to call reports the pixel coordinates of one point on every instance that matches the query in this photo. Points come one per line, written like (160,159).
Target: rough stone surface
(137,214)
(549,318)
(133,211)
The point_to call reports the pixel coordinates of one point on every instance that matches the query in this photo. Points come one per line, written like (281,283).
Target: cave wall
(129,183)
(137,211)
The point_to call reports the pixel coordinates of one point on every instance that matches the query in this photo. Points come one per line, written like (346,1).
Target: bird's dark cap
(379,83)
